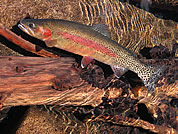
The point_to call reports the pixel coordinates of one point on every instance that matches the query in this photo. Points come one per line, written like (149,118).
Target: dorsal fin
(101,28)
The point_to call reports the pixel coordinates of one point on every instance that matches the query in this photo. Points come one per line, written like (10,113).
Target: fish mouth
(26,29)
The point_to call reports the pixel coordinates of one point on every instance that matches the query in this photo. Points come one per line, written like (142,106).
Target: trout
(90,43)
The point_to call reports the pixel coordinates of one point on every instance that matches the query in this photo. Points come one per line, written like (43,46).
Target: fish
(93,44)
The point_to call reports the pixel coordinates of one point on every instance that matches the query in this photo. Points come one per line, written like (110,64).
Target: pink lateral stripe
(88,43)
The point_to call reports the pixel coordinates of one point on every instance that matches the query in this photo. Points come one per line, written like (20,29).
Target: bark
(57,81)
(37,80)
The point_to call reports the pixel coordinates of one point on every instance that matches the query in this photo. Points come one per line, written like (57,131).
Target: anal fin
(119,71)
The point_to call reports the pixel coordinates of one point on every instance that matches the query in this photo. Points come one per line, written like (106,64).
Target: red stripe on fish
(87,43)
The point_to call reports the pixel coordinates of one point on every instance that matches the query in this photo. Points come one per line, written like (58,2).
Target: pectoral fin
(86,60)
(51,43)
(119,71)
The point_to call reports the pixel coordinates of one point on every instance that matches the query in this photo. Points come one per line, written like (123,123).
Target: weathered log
(37,80)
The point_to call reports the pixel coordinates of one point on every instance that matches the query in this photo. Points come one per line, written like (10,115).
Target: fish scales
(85,41)
(89,34)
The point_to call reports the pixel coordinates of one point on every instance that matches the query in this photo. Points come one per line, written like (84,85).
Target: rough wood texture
(152,102)
(35,81)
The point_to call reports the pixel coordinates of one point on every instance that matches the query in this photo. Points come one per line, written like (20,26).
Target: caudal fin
(151,81)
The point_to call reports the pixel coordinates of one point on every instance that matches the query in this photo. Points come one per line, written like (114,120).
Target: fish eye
(31,25)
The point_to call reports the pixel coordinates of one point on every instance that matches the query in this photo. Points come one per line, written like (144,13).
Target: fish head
(36,28)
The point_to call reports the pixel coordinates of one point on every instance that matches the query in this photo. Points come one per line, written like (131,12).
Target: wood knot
(61,84)
(19,69)
(9,59)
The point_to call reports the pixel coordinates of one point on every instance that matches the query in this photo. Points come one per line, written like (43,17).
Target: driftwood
(35,81)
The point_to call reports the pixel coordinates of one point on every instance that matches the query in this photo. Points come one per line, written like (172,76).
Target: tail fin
(152,78)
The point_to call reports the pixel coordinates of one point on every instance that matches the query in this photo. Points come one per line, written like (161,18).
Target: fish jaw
(26,29)
(39,31)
